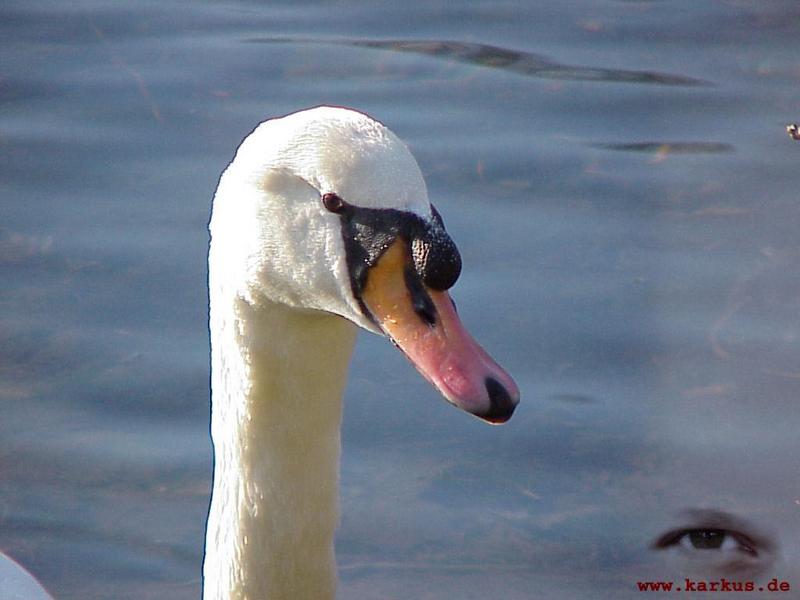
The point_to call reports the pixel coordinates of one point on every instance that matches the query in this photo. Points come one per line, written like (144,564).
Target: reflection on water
(494,57)
(524,63)
(668,147)
(630,251)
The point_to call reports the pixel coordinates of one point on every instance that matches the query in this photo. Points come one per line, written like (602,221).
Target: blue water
(624,195)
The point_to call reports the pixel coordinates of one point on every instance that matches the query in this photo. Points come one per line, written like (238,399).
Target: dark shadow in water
(668,147)
(516,61)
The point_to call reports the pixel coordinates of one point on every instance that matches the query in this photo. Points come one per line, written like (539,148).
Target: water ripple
(515,61)
(668,147)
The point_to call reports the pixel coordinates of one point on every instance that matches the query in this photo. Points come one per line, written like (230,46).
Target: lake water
(619,180)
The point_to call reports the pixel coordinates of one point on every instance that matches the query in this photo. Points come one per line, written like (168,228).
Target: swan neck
(277,380)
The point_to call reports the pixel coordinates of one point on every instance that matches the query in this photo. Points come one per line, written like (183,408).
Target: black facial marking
(436,259)
(368,233)
(420,299)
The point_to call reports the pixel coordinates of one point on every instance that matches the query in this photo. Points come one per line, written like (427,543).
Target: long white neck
(277,380)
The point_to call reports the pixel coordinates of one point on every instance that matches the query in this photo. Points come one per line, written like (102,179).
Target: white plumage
(17,584)
(279,286)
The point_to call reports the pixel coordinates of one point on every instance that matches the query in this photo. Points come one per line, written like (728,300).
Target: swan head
(327,210)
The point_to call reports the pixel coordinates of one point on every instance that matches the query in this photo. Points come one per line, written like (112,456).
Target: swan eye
(333,203)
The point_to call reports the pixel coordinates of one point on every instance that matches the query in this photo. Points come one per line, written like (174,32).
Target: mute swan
(17,584)
(320,223)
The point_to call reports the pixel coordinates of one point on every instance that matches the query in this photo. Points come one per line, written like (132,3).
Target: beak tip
(501,403)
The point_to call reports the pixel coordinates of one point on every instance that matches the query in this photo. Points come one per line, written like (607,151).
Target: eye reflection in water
(718,542)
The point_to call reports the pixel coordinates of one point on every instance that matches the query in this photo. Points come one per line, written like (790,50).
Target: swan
(17,584)
(320,224)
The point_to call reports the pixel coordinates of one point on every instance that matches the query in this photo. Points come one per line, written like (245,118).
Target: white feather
(17,584)
(277,279)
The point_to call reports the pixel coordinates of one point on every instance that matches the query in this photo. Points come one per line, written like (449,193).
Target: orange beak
(443,351)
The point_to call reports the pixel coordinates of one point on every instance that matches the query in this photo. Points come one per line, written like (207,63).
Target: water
(620,184)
